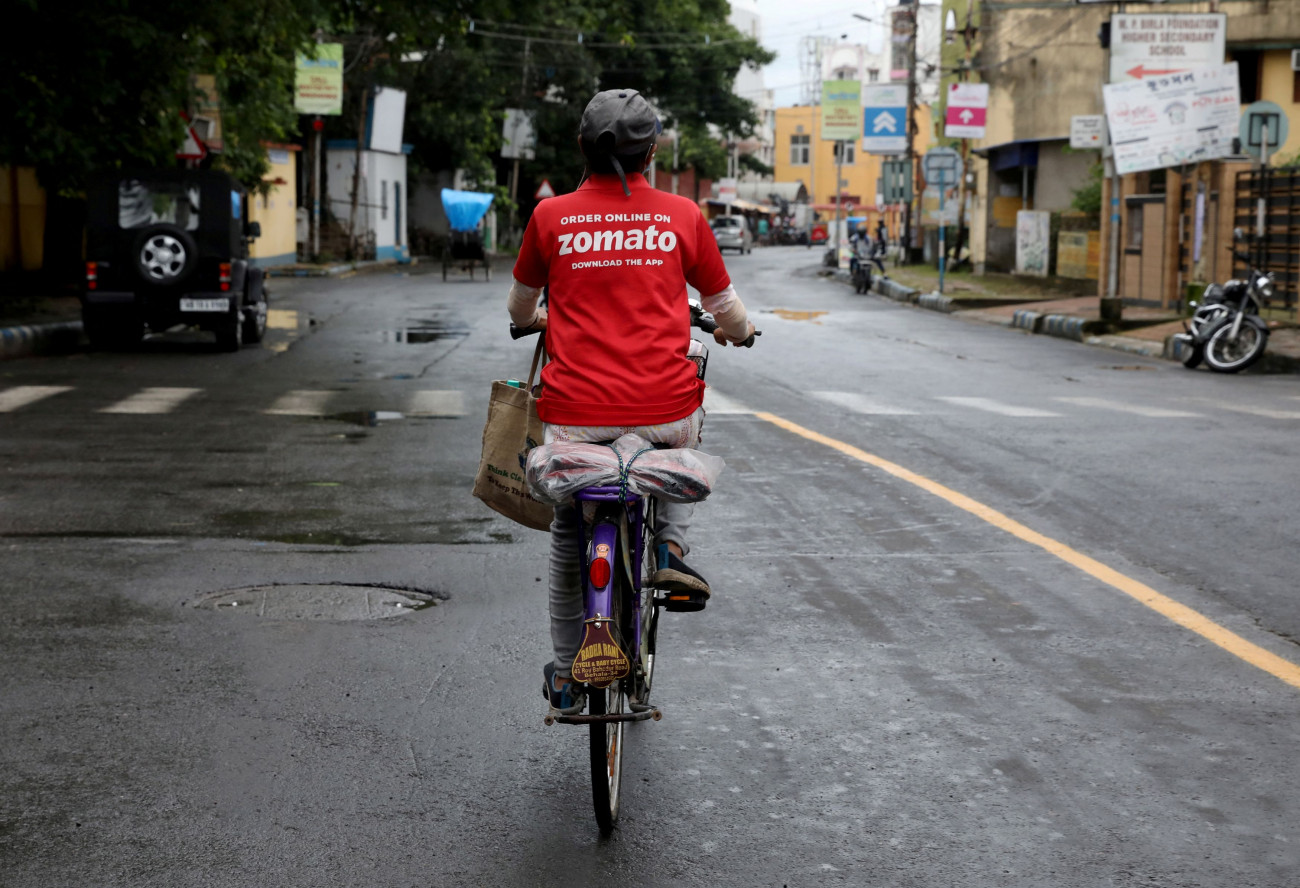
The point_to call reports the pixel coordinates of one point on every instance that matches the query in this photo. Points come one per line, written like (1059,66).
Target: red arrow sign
(1139,72)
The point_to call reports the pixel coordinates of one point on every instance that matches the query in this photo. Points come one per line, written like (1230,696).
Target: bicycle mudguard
(600,661)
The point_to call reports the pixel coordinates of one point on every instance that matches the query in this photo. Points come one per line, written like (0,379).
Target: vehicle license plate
(205,305)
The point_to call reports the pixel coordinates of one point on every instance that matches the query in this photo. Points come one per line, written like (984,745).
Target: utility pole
(910,219)
(839,194)
(676,143)
(1111,306)
(514,175)
(968,35)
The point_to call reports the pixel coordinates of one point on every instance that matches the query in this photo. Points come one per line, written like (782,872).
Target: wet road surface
(886,689)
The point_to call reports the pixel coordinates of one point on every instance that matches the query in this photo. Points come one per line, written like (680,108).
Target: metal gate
(1278,250)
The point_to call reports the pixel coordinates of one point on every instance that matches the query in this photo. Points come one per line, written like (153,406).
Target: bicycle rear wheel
(606,746)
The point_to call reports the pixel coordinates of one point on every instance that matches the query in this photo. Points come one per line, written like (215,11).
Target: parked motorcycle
(1225,330)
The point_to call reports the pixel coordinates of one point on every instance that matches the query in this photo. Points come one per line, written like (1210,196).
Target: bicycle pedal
(685,601)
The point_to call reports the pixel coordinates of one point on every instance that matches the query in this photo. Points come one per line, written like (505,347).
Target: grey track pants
(566,574)
(566,580)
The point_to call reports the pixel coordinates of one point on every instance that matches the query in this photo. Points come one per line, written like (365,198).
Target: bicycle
(616,659)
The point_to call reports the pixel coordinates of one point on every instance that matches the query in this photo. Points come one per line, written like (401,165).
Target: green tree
(94,85)
(1087,198)
(549,58)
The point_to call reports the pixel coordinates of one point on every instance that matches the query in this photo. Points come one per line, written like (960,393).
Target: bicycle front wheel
(606,753)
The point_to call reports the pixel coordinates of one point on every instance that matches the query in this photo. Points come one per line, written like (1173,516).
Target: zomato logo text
(649,238)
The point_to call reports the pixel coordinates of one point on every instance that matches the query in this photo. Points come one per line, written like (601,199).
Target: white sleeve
(522,305)
(729,312)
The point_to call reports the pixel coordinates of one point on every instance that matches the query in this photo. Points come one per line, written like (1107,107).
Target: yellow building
(803,156)
(22,220)
(277,210)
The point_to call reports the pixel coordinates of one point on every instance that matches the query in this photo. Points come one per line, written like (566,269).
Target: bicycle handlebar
(698,319)
(704,320)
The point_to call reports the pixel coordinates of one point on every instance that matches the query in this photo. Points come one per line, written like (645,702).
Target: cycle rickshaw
(464,246)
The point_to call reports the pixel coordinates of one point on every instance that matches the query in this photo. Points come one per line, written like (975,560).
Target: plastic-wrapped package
(557,471)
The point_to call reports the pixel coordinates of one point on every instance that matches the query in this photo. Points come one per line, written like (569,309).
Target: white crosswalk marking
(435,403)
(997,407)
(1256,411)
(300,403)
(152,400)
(1140,410)
(856,403)
(719,404)
(20,396)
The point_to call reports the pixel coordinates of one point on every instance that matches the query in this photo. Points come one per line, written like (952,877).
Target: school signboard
(1146,45)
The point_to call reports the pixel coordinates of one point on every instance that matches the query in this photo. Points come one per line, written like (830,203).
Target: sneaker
(565,700)
(686,590)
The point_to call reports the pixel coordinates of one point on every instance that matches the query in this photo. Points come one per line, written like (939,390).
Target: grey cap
(623,114)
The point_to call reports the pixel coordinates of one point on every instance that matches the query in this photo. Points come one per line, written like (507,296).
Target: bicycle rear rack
(648,713)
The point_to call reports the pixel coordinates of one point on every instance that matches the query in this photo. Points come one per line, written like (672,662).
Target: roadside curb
(30,339)
(305,270)
(1070,327)
(937,302)
(323,271)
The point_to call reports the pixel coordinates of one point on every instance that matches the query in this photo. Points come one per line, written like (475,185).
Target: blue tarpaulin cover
(465,208)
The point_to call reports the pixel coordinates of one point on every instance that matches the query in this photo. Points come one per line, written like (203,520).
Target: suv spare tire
(164,255)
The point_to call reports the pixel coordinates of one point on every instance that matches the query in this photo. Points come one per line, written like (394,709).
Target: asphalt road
(945,559)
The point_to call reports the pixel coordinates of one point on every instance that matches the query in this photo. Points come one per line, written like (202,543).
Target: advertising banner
(841,110)
(1033,242)
(1171,120)
(318,81)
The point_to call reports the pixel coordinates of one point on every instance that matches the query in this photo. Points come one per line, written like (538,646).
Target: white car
(733,234)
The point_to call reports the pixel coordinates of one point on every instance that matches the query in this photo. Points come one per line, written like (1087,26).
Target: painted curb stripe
(1167,607)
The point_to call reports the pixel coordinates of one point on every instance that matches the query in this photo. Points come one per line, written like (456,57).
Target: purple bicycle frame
(599,602)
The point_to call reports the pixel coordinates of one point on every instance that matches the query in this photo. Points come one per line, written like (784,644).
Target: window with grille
(799,147)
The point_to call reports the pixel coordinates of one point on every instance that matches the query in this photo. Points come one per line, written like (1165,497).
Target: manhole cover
(317,602)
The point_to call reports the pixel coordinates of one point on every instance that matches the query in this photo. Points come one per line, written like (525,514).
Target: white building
(749,85)
(381,192)
(381,196)
(854,61)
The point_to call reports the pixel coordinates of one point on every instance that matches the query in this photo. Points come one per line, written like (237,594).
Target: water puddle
(425,330)
(368,418)
(284,327)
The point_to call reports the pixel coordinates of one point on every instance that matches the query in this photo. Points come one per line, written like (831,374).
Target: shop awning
(856,208)
(1009,155)
(739,204)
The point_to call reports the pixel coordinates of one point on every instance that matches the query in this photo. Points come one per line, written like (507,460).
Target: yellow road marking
(1181,614)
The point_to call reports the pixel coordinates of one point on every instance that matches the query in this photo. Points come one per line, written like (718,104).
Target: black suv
(168,247)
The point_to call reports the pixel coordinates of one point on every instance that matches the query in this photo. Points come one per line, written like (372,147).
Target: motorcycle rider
(617,255)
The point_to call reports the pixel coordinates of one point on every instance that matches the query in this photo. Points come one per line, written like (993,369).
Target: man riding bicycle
(616,256)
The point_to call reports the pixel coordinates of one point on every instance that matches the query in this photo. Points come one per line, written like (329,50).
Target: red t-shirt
(618,325)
